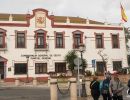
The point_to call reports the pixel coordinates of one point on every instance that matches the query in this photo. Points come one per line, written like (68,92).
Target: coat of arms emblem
(40,20)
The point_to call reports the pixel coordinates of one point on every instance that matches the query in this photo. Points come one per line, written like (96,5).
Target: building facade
(32,45)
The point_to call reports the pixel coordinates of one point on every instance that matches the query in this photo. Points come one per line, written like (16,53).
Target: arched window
(77,38)
(40,38)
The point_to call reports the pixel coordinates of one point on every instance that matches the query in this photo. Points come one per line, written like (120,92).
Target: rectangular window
(100,67)
(40,68)
(59,40)
(77,40)
(60,67)
(1,40)
(20,68)
(115,41)
(99,41)
(20,40)
(117,65)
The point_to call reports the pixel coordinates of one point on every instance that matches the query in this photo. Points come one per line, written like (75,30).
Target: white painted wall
(14,54)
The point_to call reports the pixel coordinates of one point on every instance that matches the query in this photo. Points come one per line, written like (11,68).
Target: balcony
(41,48)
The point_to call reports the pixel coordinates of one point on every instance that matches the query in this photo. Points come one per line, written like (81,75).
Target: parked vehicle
(125,70)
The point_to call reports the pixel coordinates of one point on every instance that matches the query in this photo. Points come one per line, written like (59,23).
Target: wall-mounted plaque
(9,69)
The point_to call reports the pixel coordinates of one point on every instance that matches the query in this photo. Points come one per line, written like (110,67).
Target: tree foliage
(127,34)
(69,58)
(127,37)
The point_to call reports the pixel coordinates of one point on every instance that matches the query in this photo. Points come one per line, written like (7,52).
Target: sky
(99,10)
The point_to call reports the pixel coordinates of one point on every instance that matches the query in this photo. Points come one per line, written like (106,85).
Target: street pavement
(40,92)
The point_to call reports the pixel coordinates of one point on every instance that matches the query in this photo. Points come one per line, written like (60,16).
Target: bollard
(49,82)
(34,82)
(88,91)
(17,82)
(73,89)
(53,89)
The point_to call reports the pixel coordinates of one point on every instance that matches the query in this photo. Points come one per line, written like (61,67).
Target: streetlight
(82,49)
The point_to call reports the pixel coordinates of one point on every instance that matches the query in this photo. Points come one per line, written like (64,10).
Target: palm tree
(69,58)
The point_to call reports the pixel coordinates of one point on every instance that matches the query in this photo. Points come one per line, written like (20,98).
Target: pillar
(73,89)
(48,81)
(17,82)
(34,81)
(53,89)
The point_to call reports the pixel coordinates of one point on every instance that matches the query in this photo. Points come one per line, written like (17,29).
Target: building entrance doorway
(1,70)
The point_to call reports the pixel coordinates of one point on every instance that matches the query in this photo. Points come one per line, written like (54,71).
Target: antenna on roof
(105,21)
(28,12)
(52,13)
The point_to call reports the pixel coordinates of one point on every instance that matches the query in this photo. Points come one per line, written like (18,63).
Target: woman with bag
(94,86)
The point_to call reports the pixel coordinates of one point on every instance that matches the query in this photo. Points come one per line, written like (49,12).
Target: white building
(49,38)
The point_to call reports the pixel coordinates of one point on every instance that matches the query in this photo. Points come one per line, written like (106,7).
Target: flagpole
(123,19)
(125,36)
(123,26)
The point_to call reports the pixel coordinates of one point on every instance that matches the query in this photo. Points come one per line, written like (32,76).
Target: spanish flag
(124,17)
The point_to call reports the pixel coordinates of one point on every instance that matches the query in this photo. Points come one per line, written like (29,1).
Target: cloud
(93,9)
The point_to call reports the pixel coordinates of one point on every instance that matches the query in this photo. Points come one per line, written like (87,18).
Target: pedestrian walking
(116,87)
(105,88)
(94,86)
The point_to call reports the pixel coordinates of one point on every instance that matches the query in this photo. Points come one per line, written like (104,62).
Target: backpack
(129,83)
(128,91)
(105,87)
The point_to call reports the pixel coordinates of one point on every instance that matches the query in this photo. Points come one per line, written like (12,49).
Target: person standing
(116,87)
(94,86)
(105,88)
(108,74)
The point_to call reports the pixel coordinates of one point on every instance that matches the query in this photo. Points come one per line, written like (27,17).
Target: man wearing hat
(116,87)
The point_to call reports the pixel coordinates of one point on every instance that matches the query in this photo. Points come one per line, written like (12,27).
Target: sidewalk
(12,84)
(83,98)
(5,85)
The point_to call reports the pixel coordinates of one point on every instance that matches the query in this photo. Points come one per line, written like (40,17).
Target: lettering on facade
(42,56)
